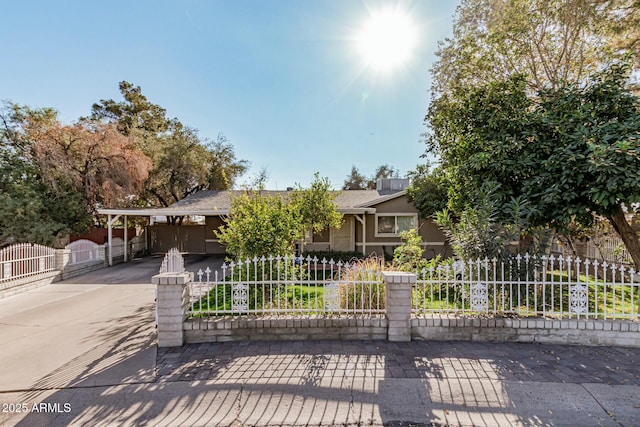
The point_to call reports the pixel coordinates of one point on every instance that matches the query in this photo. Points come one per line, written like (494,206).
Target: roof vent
(392,184)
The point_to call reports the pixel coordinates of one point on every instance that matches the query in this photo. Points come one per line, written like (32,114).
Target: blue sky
(283,80)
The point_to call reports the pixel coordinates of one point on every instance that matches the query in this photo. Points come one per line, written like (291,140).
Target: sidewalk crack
(606,411)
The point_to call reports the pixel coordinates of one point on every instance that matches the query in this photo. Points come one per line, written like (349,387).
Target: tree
(263,224)
(316,205)
(91,158)
(182,162)
(488,228)
(551,42)
(357,181)
(428,190)
(260,224)
(571,152)
(30,210)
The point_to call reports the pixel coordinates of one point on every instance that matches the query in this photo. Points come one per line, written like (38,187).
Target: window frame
(395,215)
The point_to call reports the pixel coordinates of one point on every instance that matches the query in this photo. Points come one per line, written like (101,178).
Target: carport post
(125,238)
(110,222)
(110,239)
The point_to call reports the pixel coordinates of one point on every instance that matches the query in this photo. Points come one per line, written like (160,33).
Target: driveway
(97,329)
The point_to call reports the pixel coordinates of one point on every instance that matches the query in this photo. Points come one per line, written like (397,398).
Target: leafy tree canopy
(572,152)
(428,190)
(263,224)
(549,41)
(31,209)
(182,162)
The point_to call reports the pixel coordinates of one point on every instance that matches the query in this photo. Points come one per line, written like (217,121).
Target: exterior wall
(434,240)
(212,244)
(578,332)
(187,238)
(258,329)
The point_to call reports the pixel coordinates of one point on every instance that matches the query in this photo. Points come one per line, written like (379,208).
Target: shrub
(361,283)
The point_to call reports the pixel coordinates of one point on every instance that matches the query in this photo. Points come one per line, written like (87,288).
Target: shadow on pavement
(343,383)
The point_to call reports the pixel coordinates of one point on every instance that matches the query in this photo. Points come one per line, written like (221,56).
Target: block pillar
(62,257)
(398,287)
(171,307)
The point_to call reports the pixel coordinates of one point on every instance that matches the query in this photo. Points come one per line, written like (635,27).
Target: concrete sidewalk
(357,383)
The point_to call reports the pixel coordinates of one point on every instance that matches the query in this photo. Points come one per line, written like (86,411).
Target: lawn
(530,298)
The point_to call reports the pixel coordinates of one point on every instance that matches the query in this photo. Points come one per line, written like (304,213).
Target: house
(372,222)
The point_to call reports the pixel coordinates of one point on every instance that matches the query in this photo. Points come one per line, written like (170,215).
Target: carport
(114,215)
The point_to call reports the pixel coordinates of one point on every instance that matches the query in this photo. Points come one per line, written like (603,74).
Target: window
(394,224)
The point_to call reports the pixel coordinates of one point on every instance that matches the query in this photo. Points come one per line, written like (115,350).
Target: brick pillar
(398,287)
(61,260)
(171,307)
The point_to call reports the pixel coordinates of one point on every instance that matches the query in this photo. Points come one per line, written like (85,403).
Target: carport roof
(215,203)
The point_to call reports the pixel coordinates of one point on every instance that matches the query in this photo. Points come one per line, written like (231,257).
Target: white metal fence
(25,260)
(288,286)
(553,287)
(85,252)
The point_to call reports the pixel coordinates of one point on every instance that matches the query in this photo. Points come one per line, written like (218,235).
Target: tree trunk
(567,243)
(628,236)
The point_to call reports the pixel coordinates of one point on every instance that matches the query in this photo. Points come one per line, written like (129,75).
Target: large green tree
(429,189)
(182,162)
(571,152)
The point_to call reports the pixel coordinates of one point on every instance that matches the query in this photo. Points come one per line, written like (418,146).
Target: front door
(342,238)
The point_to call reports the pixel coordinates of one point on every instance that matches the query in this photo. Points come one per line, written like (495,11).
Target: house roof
(213,203)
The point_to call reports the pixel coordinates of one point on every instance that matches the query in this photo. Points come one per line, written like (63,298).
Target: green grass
(294,297)
(522,300)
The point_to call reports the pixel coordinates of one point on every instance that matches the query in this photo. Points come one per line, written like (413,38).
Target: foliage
(357,181)
(316,205)
(409,255)
(477,135)
(360,283)
(182,162)
(569,152)
(551,42)
(91,158)
(428,190)
(262,224)
(32,210)
(491,229)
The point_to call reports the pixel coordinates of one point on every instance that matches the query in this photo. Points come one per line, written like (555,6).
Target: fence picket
(527,285)
(25,260)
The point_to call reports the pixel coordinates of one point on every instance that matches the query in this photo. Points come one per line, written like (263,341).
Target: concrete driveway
(97,329)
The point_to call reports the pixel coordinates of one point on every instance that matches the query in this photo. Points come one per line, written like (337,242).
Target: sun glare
(387,39)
